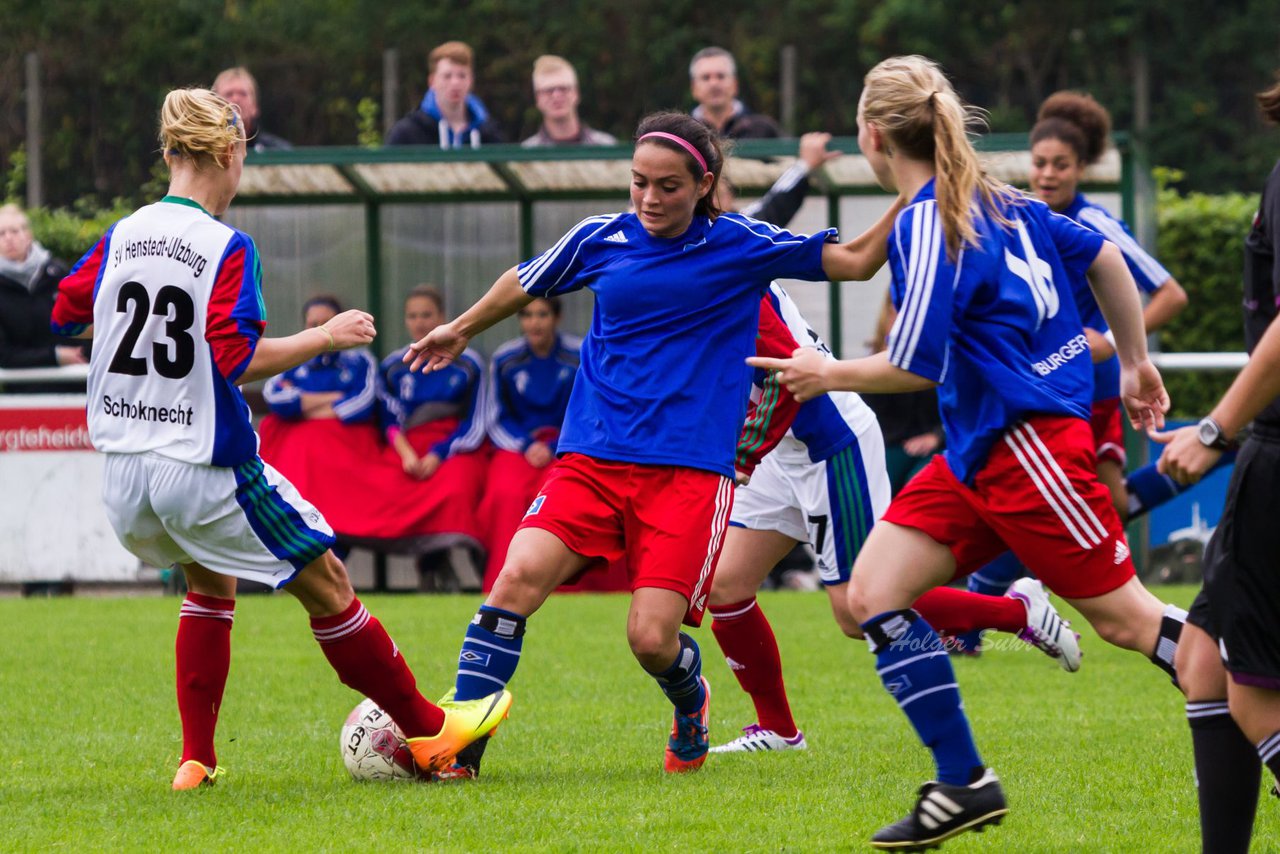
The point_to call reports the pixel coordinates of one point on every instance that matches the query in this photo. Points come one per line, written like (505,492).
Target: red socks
(748,644)
(203,652)
(368,661)
(956,612)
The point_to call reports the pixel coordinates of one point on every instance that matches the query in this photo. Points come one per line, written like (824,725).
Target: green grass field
(1093,761)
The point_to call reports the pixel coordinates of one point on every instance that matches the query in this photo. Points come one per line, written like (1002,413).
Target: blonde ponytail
(199,125)
(922,118)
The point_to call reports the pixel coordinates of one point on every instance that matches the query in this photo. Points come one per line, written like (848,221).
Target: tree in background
(106,64)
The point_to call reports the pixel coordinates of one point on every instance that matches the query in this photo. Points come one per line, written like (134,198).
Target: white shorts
(247,522)
(831,505)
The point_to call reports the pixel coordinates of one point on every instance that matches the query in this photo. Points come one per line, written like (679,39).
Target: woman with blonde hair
(173,298)
(981,283)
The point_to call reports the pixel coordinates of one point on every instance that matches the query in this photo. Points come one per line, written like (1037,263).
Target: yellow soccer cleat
(193,774)
(465,722)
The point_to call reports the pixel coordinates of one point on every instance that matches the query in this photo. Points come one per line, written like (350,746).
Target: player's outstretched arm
(860,258)
(808,374)
(273,356)
(446,342)
(1186,459)
(1141,388)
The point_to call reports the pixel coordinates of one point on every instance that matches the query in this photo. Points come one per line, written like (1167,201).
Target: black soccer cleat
(469,757)
(944,811)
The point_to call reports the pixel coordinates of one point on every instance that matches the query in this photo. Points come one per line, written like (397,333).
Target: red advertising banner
(44,429)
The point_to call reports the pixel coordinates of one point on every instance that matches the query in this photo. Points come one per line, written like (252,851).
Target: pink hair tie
(683,143)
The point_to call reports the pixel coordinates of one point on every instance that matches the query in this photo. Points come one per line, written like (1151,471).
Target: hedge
(1201,243)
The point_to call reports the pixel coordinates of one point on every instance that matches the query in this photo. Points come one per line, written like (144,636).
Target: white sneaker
(1046,630)
(756,738)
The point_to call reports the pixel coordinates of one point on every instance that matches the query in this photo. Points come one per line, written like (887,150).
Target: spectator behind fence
(555,89)
(449,116)
(238,86)
(339,385)
(713,79)
(29,276)
(530,379)
(435,424)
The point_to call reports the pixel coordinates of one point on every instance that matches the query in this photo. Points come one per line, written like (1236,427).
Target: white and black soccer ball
(373,747)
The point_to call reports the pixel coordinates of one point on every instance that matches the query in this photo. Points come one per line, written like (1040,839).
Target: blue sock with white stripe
(490,653)
(681,681)
(915,669)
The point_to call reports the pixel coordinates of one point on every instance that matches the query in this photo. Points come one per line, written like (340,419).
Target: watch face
(1210,433)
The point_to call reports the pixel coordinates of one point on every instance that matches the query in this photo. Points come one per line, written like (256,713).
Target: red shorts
(1039,496)
(1107,421)
(668,521)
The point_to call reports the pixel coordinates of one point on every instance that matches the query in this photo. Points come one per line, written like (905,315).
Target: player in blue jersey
(980,279)
(341,385)
(173,300)
(1071,135)
(530,379)
(645,465)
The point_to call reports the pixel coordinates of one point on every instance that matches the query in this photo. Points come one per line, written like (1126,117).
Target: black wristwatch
(1211,436)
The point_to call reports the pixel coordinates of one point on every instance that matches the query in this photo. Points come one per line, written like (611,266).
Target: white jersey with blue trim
(663,379)
(831,422)
(177,312)
(996,327)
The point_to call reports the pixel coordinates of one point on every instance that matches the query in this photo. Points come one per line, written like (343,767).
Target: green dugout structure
(367,225)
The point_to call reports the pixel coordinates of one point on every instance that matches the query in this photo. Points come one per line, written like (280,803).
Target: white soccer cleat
(1046,630)
(756,739)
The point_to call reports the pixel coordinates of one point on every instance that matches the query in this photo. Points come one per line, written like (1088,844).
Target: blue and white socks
(490,653)
(681,682)
(916,670)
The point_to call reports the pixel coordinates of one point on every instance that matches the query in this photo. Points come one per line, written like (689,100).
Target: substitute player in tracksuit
(646,454)
(173,300)
(980,279)
(341,385)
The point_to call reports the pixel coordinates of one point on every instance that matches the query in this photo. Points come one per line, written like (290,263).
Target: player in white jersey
(822,482)
(173,298)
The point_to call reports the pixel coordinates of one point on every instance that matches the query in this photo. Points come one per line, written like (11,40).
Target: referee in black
(1228,660)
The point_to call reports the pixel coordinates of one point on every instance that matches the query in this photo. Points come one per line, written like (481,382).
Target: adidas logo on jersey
(617,237)
(1122,551)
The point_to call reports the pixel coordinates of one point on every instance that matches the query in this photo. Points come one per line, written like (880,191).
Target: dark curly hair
(1076,119)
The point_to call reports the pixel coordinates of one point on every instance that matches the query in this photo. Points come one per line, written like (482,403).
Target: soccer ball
(373,747)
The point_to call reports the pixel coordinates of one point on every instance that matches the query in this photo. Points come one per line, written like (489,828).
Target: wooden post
(390,88)
(787,90)
(35,170)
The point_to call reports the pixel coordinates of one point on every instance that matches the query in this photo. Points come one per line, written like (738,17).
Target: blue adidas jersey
(1146,270)
(529,393)
(354,373)
(663,378)
(407,399)
(996,328)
